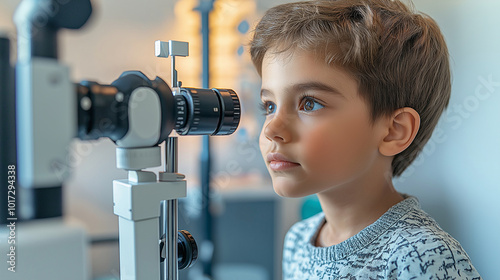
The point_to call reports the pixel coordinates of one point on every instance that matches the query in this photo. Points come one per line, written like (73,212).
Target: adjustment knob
(188,250)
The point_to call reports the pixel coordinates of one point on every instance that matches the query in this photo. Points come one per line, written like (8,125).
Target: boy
(352,90)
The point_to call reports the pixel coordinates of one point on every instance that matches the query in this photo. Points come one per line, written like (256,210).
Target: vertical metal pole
(174,72)
(172,239)
(171,154)
(205,8)
(163,231)
(169,216)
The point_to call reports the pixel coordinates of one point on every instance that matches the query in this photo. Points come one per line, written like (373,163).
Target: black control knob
(187,249)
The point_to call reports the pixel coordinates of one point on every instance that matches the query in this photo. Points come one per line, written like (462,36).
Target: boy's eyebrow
(318,86)
(301,87)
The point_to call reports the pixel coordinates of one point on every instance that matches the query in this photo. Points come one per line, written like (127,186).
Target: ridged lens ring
(207,111)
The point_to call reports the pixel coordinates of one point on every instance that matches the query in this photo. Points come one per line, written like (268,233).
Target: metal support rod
(169,216)
(171,154)
(174,73)
(171,239)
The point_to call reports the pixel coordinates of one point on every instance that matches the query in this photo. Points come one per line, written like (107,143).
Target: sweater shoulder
(417,225)
(420,247)
(418,230)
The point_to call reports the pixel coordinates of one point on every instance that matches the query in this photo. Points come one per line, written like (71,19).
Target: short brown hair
(399,57)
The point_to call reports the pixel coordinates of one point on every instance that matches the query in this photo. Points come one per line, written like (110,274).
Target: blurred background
(456,178)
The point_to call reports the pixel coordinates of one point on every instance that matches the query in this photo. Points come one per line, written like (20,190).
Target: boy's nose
(277,129)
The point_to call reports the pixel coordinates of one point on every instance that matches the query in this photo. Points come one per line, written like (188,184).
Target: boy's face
(317,135)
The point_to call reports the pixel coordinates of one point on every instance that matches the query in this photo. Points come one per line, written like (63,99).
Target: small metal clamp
(173,49)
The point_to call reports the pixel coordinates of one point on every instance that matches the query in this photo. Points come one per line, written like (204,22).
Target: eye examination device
(137,113)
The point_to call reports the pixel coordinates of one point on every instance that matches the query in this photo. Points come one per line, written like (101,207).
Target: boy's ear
(402,128)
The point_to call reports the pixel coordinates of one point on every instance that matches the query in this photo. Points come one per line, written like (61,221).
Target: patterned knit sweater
(405,243)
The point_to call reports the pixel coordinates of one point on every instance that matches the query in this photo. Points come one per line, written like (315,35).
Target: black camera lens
(207,111)
(99,113)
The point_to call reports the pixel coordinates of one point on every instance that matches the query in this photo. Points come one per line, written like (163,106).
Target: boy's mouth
(279,162)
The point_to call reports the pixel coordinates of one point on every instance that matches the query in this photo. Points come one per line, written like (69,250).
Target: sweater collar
(364,237)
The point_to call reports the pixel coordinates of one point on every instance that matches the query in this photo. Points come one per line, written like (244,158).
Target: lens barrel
(103,110)
(207,111)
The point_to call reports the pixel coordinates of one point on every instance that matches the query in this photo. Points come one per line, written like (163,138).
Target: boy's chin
(288,189)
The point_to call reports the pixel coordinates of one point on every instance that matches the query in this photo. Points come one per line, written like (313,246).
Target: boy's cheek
(329,151)
(320,150)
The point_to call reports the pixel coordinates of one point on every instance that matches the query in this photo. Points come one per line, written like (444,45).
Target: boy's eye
(310,104)
(268,107)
